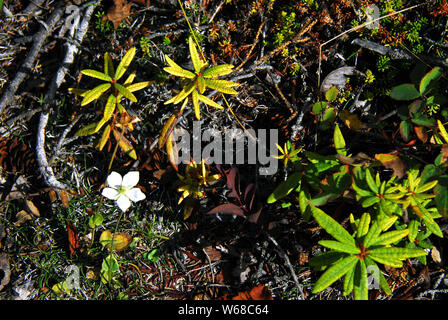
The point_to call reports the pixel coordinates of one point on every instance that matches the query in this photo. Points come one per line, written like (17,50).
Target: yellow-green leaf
(210,102)
(219,70)
(332,226)
(125,145)
(104,138)
(181,95)
(109,108)
(201,84)
(108,65)
(96,74)
(95,93)
(138,86)
(363,225)
(221,85)
(125,92)
(390,237)
(339,246)
(87,130)
(197,110)
(335,272)
(339,141)
(194,55)
(180,72)
(166,130)
(117,241)
(442,131)
(124,63)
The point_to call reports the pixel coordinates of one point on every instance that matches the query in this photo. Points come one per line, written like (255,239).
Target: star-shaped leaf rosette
(121,189)
(112,92)
(195,82)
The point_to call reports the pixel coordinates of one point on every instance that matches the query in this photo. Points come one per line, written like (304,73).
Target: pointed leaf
(323,260)
(124,63)
(285,188)
(87,130)
(363,225)
(339,246)
(348,281)
(335,272)
(387,261)
(108,65)
(104,137)
(221,85)
(339,141)
(390,237)
(360,284)
(125,92)
(429,79)
(138,86)
(373,233)
(210,102)
(332,226)
(217,71)
(194,55)
(397,253)
(166,130)
(180,72)
(96,74)
(442,131)
(125,145)
(370,182)
(201,84)
(109,108)
(95,93)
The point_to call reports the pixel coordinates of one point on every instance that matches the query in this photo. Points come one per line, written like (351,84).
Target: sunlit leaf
(96,74)
(332,226)
(108,65)
(124,63)
(335,272)
(219,70)
(125,92)
(95,93)
(117,241)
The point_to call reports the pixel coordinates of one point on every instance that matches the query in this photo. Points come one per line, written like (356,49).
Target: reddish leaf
(73,238)
(421,133)
(233,182)
(249,195)
(393,162)
(228,208)
(120,10)
(260,292)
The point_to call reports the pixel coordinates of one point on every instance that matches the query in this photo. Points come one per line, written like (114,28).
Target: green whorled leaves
(195,83)
(113,100)
(356,259)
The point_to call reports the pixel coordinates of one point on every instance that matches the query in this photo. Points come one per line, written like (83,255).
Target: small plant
(112,92)
(352,256)
(415,116)
(196,178)
(195,83)
(327,113)
(121,189)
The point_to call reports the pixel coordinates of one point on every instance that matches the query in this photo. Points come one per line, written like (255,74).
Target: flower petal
(135,194)
(130,179)
(114,180)
(123,203)
(110,193)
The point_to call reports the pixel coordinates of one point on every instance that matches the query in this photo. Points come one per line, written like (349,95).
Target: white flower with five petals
(122,189)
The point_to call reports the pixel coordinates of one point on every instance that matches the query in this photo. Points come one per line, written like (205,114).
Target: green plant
(112,92)
(327,113)
(352,256)
(195,83)
(415,116)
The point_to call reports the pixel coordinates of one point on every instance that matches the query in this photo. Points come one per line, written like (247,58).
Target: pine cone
(15,156)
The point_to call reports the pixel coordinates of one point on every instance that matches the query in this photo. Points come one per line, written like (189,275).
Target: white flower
(122,189)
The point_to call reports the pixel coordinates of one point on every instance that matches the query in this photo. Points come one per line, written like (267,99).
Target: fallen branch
(397,54)
(72,48)
(39,39)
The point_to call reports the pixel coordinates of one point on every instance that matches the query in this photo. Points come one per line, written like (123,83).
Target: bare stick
(291,269)
(44,168)
(39,39)
(397,54)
